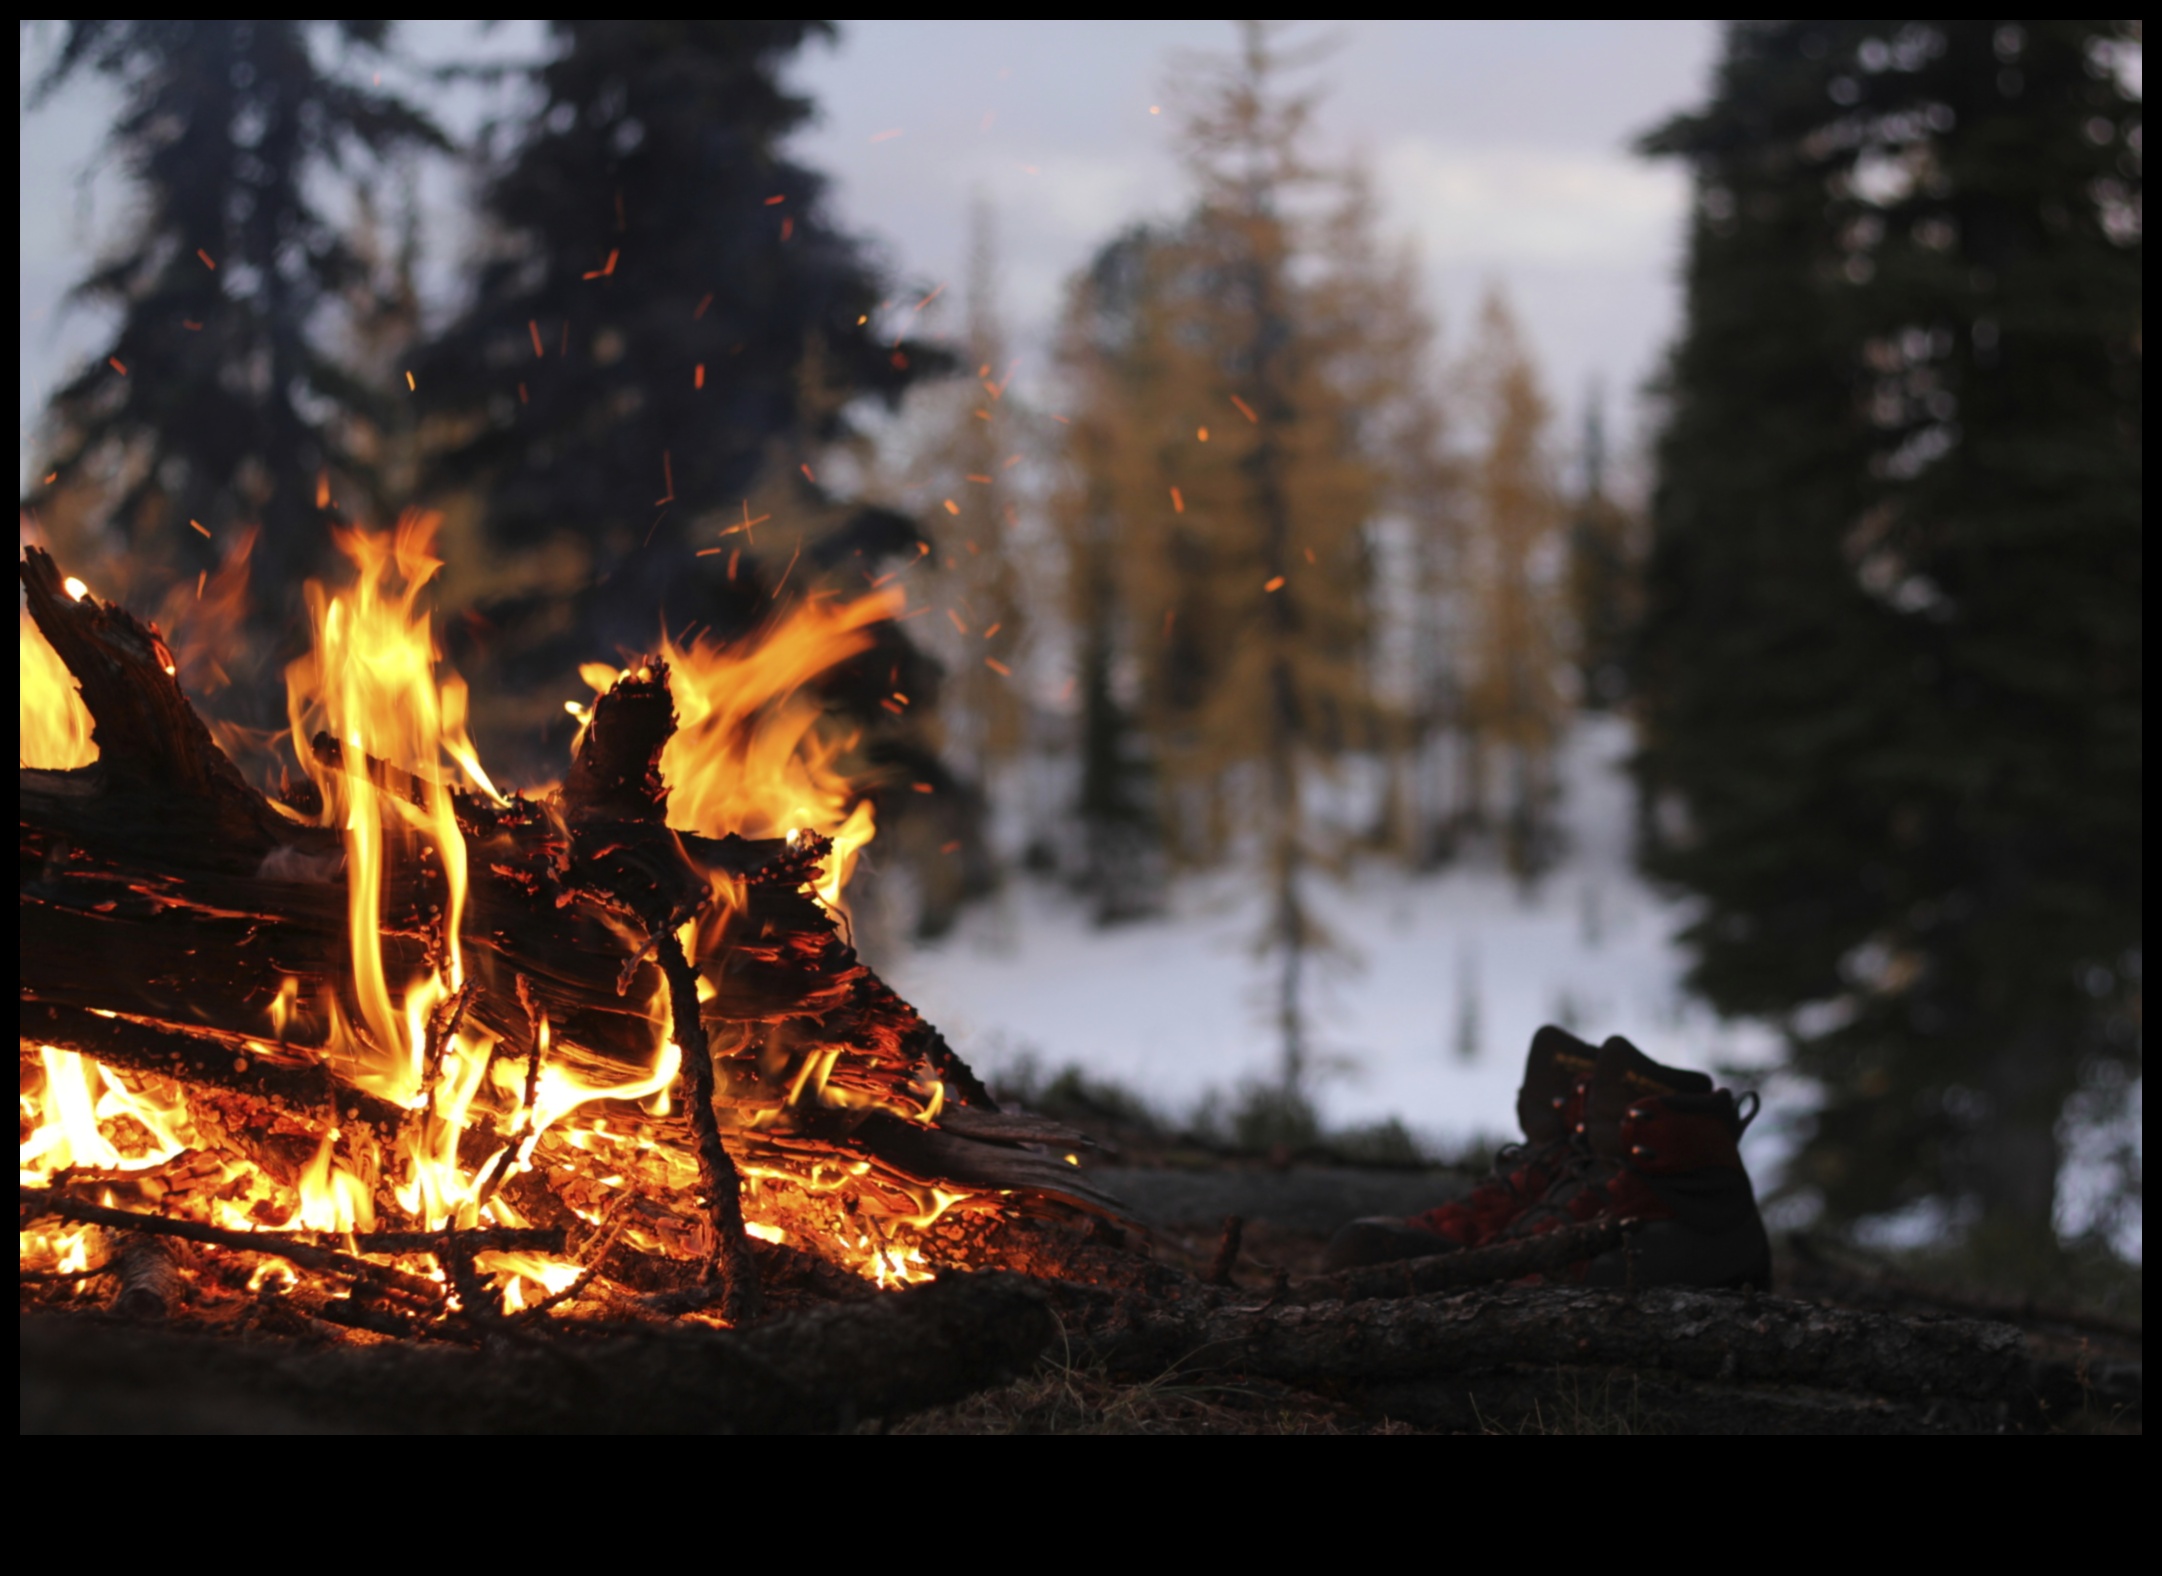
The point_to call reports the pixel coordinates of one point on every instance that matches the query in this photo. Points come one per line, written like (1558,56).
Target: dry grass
(1062,1398)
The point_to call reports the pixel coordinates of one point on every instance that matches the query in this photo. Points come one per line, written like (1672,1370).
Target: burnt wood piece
(626,856)
(200,1056)
(716,1171)
(152,747)
(40,1203)
(150,1283)
(818,1372)
(1697,1334)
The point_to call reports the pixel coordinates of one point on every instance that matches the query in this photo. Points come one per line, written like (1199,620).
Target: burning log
(226,965)
(149,1282)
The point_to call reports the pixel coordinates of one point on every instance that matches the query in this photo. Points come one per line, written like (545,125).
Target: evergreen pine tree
(1891,665)
(665,335)
(221,405)
(1602,573)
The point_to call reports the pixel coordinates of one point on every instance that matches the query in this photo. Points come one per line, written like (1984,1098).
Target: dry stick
(1502,1261)
(1227,1250)
(478,1239)
(39,1202)
(724,1188)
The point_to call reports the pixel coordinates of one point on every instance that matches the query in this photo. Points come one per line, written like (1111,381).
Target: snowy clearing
(1426,1023)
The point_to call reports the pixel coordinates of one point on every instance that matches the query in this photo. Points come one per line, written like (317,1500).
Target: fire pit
(394,1050)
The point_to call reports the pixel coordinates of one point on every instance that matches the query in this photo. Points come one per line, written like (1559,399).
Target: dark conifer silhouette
(664,319)
(1891,670)
(221,404)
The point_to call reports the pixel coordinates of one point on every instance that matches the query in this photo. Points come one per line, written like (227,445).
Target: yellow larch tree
(1517,569)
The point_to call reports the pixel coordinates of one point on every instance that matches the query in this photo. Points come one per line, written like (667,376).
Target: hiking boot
(1549,1110)
(1661,1146)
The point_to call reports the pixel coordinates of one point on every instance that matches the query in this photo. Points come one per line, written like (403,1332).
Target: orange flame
(754,753)
(371,684)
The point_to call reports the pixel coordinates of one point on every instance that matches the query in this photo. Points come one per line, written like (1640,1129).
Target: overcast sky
(1501,149)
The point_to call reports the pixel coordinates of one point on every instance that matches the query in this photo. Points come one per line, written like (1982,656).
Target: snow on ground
(1428,1022)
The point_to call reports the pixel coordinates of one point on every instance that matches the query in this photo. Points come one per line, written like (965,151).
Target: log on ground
(1724,1336)
(820,1372)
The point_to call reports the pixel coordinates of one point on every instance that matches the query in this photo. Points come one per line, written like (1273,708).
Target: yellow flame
(54,725)
(332,1198)
(69,1119)
(371,684)
(282,1004)
(754,753)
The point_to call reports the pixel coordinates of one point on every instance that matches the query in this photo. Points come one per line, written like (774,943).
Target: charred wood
(150,1282)
(37,1203)
(716,1171)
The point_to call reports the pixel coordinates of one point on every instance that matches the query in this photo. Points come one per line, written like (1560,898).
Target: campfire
(388,1058)
(393,1050)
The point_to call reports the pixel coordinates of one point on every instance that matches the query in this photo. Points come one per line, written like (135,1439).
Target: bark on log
(820,1372)
(1698,1334)
(149,1280)
(1634,1401)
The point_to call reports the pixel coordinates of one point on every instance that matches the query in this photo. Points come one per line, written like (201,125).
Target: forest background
(1241,570)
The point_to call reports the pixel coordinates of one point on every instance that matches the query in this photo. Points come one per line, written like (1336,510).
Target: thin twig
(724,1187)
(40,1202)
